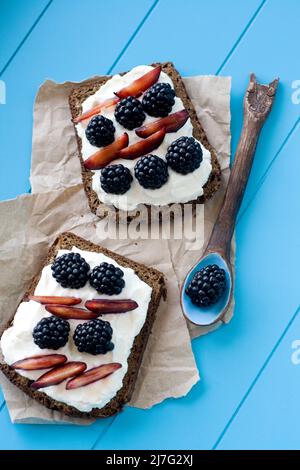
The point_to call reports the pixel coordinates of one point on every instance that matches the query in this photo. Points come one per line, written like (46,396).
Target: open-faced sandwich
(140,141)
(77,339)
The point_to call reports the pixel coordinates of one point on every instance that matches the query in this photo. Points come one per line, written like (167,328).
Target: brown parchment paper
(30,223)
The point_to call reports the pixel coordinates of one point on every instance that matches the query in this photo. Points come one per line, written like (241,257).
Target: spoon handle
(258,103)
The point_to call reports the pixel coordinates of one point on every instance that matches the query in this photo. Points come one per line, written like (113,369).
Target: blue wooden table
(249,393)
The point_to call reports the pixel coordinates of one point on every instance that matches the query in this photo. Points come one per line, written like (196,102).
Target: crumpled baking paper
(30,223)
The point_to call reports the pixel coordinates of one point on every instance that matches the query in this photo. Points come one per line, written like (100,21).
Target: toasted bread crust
(80,93)
(149,275)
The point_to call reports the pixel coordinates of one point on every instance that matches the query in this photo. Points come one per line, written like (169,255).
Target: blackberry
(184,155)
(51,333)
(129,113)
(70,270)
(151,172)
(107,279)
(116,179)
(207,286)
(100,131)
(94,337)
(158,100)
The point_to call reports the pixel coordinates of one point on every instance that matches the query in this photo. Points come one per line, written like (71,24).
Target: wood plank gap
(133,36)
(256,378)
(264,176)
(103,432)
(25,37)
(237,42)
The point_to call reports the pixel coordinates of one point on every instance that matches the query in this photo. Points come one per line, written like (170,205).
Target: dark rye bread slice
(150,276)
(81,92)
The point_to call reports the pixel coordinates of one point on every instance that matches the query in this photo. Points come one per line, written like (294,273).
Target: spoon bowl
(206,316)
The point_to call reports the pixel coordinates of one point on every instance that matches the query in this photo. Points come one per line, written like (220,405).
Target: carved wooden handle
(258,103)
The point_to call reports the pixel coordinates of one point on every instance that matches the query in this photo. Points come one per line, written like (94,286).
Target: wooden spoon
(258,103)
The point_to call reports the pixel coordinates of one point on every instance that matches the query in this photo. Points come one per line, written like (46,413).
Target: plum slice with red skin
(96,109)
(102,306)
(107,154)
(71,313)
(143,147)
(59,374)
(137,87)
(171,123)
(45,361)
(93,375)
(55,299)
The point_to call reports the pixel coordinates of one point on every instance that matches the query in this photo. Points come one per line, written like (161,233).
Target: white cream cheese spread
(179,188)
(17,341)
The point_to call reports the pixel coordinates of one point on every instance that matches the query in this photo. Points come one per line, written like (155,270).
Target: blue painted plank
(70,42)
(48,436)
(267,292)
(269,54)
(194,35)
(16,19)
(269,418)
